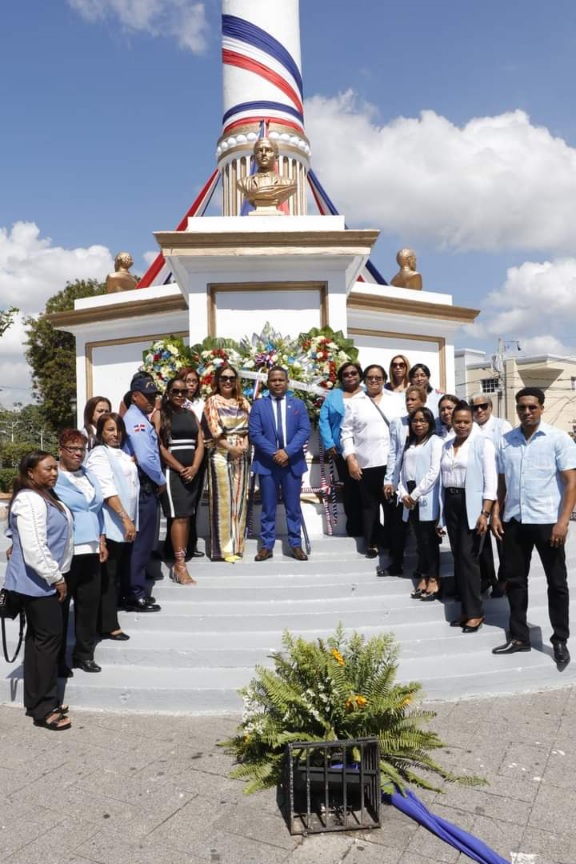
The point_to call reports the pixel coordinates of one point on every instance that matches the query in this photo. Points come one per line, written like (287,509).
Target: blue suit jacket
(262,431)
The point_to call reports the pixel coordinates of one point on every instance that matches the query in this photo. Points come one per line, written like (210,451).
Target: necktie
(279,430)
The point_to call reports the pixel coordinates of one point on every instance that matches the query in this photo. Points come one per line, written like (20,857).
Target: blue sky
(110,128)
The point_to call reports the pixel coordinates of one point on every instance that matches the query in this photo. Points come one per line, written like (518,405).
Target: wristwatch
(485,513)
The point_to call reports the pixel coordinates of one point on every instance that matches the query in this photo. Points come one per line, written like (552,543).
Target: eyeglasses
(399,365)
(74,449)
(227,378)
(374,378)
(480,406)
(352,374)
(192,383)
(175,391)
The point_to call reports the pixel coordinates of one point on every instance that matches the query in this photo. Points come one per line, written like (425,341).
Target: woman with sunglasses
(420,376)
(42,547)
(398,374)
(182,451)
(330,428)
(418,491)
(446,407)
(468,490)
(365,446)
(225,428)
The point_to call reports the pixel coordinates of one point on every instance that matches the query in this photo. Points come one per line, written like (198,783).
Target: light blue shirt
(143,443)
(531,469)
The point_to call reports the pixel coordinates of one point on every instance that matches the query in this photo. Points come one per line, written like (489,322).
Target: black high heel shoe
(472,628)
(428,596)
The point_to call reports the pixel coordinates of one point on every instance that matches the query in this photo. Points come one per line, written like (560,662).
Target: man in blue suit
(279,428)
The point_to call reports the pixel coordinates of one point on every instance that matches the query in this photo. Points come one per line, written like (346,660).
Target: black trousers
(115,582)
(466,546)
(426,544)
(350,499)
(83,584)
(371,486)
(41,647)
(146,539)
(519,542)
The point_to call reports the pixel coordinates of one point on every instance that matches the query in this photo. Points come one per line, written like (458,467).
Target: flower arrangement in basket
(208,356)
(336,689)
(266,349)
(164,358)
(325,350)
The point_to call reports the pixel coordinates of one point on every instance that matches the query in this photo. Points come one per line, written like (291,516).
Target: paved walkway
(152,789)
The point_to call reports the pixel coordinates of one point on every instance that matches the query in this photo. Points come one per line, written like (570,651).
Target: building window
(489,385)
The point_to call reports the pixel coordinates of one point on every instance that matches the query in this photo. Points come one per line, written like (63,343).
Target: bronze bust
(121,279)
(407,276)
(266,189)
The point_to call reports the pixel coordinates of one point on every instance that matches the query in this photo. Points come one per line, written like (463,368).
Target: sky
(449,126)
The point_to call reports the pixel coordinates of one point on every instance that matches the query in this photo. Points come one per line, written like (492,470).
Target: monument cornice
(421,309)
(116,311)
(187,243)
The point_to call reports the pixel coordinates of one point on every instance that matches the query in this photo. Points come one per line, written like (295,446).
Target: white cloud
(496,183)
(32,269)
(180,19)
(535,296)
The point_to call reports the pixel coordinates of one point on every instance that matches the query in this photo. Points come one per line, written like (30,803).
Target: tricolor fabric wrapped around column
(262,82)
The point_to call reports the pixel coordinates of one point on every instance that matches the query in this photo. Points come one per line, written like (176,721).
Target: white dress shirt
(30,509)
(365,433)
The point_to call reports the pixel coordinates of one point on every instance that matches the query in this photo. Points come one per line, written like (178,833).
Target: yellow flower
(338,657)
(361,701)
(247,738)
(354,702)
(406,701)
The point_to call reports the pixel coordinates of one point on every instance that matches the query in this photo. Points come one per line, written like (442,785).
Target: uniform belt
(453,490)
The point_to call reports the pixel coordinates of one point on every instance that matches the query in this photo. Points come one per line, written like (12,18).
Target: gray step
(193,655)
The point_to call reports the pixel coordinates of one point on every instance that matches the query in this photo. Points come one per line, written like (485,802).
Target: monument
(407,276)
(231,274)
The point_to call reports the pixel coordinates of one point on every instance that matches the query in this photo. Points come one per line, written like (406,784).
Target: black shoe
(197,554)
(65,672)
(371,552)
(150,599)
(561,655)
(498,590)
(141,604)
(513,646)
(458,622)
(157,577)
(472,628)
(87,666)
(116,637)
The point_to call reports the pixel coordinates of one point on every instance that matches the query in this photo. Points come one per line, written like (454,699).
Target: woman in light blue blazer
(418,491)
(330,426)
(80,491)
(468,485)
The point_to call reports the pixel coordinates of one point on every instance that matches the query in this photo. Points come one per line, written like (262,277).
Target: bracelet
(485,513)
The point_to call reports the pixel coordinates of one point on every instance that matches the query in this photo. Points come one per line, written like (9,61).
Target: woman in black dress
(182,451)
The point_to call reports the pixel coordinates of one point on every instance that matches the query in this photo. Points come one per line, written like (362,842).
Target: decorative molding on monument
(237,287)
(423,309)
(100,314)
(356,242)
(90,347)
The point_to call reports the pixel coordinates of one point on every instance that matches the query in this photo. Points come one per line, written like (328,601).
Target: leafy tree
(6,318)
(52,354)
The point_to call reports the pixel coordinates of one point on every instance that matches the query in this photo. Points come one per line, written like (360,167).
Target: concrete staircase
(193,655)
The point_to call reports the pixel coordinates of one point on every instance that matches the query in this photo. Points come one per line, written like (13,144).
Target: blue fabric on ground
(456,837)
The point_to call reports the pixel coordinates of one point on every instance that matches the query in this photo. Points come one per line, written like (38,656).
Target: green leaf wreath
(334,689)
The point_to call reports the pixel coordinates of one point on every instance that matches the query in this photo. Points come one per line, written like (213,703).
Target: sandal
(55,720)
(179,572)
(431,595)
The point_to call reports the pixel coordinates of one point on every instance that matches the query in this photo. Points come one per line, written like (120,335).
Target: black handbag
(11,607)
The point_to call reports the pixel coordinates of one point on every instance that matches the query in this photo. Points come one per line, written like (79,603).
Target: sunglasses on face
(399,365)
(353,374)
(375,378)
(481,406)
(177,392)
(227,378)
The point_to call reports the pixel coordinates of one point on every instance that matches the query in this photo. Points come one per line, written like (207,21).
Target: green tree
(52,354)
(6,318)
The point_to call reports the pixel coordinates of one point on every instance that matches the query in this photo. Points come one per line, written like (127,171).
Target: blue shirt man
(142,442)
(536,497)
